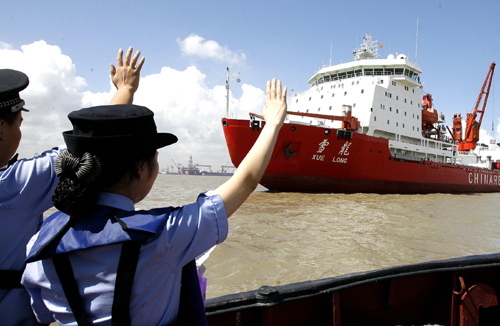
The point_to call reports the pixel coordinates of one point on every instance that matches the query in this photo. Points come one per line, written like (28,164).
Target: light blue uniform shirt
(189,232)
(26,189)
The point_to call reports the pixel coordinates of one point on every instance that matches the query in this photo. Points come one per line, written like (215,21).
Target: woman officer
(100,262)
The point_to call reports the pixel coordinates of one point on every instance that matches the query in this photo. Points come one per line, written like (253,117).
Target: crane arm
(473,126)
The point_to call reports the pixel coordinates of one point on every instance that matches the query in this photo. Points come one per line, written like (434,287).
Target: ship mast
(228,79)
(368,49)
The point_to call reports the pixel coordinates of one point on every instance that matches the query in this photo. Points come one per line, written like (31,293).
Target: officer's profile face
(11,134)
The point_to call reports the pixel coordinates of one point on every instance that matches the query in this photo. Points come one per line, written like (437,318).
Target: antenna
(331,46)
(416,43)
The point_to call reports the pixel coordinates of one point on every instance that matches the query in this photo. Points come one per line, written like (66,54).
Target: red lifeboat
(429,114)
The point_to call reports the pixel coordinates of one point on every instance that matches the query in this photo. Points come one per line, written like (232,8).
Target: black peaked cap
(11,83)
(115,130)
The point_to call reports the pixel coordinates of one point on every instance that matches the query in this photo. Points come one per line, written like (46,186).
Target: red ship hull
(314,159)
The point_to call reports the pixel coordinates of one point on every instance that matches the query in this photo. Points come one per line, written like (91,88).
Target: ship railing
(466,153)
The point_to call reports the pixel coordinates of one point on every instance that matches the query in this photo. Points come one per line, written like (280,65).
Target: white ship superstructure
(385,95)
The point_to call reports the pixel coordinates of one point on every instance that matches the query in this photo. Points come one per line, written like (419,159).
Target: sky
(65,47)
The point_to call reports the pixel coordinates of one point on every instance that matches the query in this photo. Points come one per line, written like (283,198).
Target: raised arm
(126,76)
(246,178)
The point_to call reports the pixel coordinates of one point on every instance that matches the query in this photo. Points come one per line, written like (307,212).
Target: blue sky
(188,44)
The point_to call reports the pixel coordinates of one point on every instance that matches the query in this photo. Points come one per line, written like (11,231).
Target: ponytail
(81,179)
(77,192)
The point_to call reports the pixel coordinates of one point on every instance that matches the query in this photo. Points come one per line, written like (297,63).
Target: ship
(202,169)
(368,126)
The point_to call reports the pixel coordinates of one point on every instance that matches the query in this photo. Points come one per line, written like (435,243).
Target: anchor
(287,151)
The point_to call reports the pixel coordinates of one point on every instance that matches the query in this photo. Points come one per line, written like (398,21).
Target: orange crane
(471,136)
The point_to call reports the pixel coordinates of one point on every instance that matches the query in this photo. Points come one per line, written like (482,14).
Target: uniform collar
(116,201)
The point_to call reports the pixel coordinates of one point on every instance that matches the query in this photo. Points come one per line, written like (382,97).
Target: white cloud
(485,136)
(5,46)
(195,45)
(252,100)
(183,104)
(53,92)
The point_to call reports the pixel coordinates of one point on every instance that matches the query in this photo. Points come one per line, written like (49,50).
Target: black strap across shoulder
(70,288)
(120,312)
(191,307)
(10,279)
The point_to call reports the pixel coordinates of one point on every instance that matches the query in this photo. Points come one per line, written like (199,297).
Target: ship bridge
(366,63)
(399,67)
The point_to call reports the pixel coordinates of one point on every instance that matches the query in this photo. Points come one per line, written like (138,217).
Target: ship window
(374,118)
(405,100)
(357,83)
(319,109)
(330,107)
(321,87)
(390,108)
(413,116)
(321,96)
(333,94)
(418,129)
(309,99)
(371,109)
(345,93)
(397,98)
(390,95)
(382,81)
(418,104)
(307,110)
(354,105)
(403,125)
(352,83)
(385,93)
(396,124)
(413,90)
(413,127)
(411,102)
(387,121)
(362,91)
(418,117)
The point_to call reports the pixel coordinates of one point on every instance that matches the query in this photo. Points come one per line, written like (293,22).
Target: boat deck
(461,291)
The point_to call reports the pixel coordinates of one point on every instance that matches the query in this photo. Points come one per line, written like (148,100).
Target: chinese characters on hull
(341,158)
